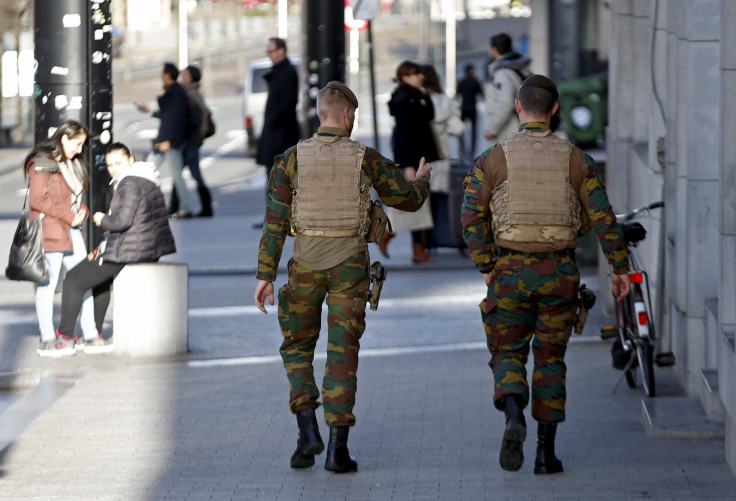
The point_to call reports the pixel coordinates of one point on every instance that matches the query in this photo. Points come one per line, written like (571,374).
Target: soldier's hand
(621,286)
(425,169)
(488,277)
(264,290)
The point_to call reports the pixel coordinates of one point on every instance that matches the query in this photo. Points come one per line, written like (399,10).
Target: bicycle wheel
(645,356)
(631,377)
(628,330)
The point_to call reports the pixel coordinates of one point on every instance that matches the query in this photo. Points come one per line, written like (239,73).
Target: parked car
(255,93)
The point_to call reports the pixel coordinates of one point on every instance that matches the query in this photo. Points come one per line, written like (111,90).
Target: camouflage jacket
(490,170)
(386,177)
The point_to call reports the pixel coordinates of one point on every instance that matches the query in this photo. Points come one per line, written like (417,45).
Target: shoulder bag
(27,260)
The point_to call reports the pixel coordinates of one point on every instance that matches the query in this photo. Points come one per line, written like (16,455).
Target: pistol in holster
(377,277)
(586,300)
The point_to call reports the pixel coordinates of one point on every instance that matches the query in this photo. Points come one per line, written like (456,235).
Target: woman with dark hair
(138,231)
(412,139)
(57,173)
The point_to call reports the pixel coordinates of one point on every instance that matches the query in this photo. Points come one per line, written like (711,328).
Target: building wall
(671,136)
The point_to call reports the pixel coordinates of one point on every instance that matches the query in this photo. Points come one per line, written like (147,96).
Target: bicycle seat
(633,232)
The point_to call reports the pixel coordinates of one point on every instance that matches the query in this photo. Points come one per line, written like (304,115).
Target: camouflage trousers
(532,299)
(300,313)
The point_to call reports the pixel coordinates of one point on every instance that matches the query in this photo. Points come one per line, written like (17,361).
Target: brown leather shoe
(383,244)
(420,255)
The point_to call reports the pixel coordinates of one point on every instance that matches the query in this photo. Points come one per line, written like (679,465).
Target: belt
(569,252)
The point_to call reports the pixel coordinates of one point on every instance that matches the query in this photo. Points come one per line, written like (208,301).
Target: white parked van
(255,94)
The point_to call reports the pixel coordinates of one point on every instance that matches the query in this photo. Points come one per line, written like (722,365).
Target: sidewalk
(210,426)
(426,430)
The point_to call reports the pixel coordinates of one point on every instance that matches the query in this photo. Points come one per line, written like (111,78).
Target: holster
(377,277)
(586,300)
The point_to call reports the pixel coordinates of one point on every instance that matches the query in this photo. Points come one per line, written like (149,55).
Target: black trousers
(83,277)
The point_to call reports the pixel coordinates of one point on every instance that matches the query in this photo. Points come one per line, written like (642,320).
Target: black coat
(469,88)
(138,223)
(177,116)
(412,138)
(280,127)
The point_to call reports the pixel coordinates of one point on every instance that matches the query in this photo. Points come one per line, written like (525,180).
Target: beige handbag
(411,221)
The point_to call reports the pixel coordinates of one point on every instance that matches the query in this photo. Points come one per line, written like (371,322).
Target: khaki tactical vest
(332,196)
(536,203)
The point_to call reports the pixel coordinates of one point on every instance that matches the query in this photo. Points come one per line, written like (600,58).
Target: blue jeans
(175,158)
(46,290)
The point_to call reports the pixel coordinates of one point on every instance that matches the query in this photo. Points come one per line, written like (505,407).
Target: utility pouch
(378,223)
(377,277)
(586,300)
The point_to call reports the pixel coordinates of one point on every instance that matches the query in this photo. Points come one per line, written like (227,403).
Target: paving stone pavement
(426,430)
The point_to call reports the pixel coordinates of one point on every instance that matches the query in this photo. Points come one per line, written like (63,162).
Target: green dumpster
(584,108)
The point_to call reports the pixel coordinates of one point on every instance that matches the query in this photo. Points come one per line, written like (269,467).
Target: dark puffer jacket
(137,220)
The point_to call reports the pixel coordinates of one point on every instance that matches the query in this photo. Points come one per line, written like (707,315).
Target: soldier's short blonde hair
(331,102)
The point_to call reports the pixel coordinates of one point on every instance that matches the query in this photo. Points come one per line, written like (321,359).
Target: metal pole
(450,47)
(283,25)
(183,35)
(324,51)
(373,84)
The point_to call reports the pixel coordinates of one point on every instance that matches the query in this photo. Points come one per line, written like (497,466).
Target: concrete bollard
(151,310)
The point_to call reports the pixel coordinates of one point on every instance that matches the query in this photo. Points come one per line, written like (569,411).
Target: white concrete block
(728,35)
(704,102)
(727,374)
(703,222)
(728,152)
(731,444)
(701,18)
(696,353)
(727,295)
(151,310)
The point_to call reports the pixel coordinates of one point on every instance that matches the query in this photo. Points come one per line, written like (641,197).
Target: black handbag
(27,260)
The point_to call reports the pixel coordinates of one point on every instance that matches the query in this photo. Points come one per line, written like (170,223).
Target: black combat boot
(309,442)
(512,455)
(206,202)
(546,461)
(338,457)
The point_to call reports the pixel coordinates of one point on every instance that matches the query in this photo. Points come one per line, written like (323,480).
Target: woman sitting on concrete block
(138,231)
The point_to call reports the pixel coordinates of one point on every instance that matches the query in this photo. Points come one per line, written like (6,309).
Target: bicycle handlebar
(644,208)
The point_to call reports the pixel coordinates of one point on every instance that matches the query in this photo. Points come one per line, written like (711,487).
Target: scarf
(71,172)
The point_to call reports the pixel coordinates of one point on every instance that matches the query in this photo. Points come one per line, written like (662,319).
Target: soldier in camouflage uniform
(320,189)
(526,201)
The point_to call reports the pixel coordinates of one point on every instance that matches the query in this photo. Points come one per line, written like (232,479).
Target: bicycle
(633,350)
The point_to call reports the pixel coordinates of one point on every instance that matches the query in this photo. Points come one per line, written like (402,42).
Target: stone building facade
(672,137)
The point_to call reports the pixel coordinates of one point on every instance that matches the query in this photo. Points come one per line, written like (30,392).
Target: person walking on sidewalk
(190,78)
(280,126)
(57,174)
(321,188)
(177,120)
(524,245)
(468,89)
(137,230)
(412,139)
(505,73)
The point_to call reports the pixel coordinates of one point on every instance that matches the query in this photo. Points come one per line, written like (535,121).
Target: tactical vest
(536,203)
(332,196)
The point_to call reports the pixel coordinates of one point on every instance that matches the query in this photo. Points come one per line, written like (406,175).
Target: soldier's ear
(517,104)
(554,108)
